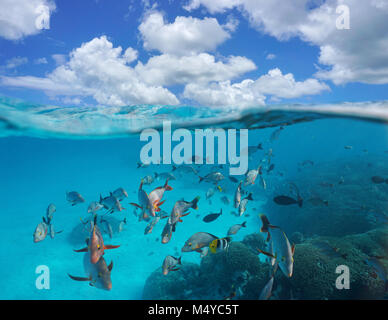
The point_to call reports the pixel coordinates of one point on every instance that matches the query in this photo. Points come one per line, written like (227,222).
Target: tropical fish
(263,183)
(378,179)
(148,179)
(237,196)
(204,252)
(251,176)
(243,204)
(270,168)
(283,252)
(213,177)
(209,193)
(156,195)
(120,194)
(98,274)
(170,264)
(151,225)
(329,250)
(286,201)
(147,207)
(180,210)
(167,233)
(108,228)
(95,244)
(50,211)
(225,200)
(164,176)
(218,245)
(212,216)
(40,232)
(198,241)
(94,207)
(236,228)
(122,223)
(266,293)
(184,169)
(275,135)
(142,165)
(74,197)
(52,231)
(111,203)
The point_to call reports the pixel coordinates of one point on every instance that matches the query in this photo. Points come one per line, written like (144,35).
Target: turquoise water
(47,151)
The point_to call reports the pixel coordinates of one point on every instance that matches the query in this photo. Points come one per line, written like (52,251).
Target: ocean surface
(46,151)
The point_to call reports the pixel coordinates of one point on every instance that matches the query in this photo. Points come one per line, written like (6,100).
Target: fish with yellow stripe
(219,245)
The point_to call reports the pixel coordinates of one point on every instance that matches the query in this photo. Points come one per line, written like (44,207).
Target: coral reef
(239,269)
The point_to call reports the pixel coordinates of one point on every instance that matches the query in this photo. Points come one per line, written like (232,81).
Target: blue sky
(209,52)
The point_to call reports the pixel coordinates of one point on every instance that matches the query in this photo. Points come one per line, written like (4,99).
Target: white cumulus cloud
(99,70)
(355,55)
(250,93)
(21,18)
(186,35)
(167,69)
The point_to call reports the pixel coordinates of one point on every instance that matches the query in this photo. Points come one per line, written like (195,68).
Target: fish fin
(266,253)
(273,227)
(136,205)
(199,250)
(82,250)
(160,203)
(80,278)
(293,249)
(167,187)
(110,246)
(110,267)
(185,214)
(195,203)
(58,232)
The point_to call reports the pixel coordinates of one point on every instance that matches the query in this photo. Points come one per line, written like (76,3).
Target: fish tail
(180,260)
(195,203)
(249,197)
(200,179)
(244,224)
(156,174)
(173,168)
(166,186)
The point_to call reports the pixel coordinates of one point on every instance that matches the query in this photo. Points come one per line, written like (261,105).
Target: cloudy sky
(238,53)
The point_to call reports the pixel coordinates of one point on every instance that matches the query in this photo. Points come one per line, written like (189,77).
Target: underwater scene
(83,217)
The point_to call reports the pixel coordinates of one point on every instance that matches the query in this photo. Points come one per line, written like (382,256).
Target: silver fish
(120,194)
(74,197)
(170,264)
(236,228)
(237,196)
(40,232)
